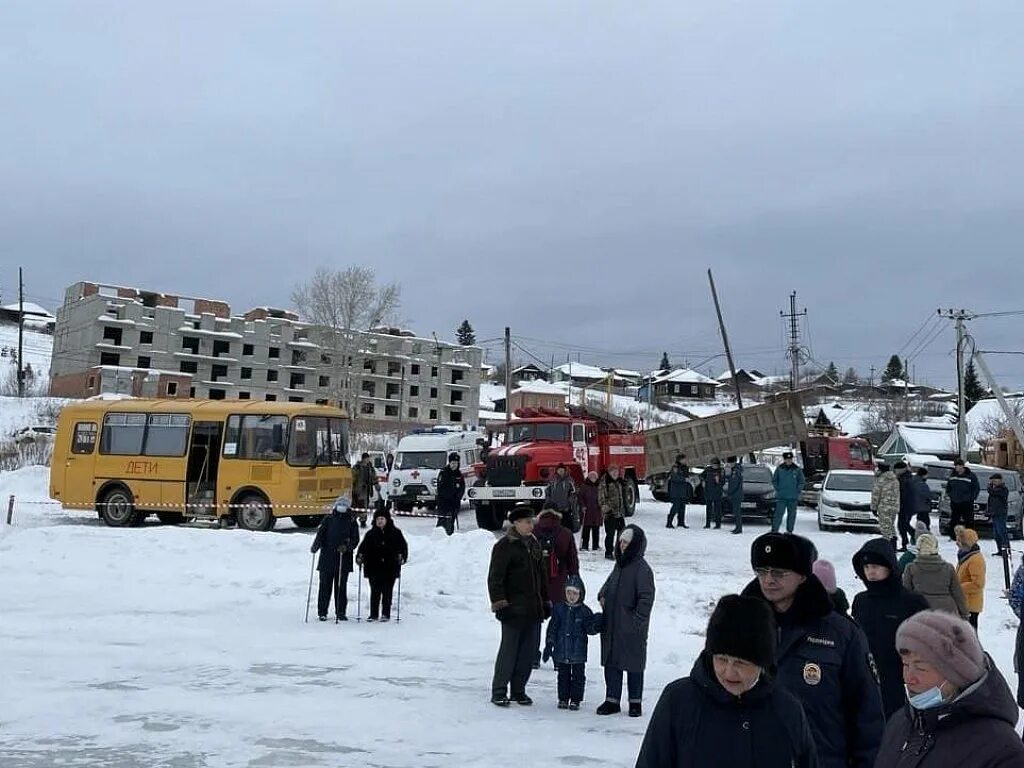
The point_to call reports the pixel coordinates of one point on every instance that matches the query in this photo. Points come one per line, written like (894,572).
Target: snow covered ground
(38,350)
(164,646)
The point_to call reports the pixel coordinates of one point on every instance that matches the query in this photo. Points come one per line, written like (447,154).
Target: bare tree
(997,424)
(342,304)
(882,415)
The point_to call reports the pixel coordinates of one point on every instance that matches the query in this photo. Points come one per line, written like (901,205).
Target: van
(420,456)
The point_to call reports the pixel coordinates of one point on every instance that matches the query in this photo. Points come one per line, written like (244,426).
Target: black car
(758,493)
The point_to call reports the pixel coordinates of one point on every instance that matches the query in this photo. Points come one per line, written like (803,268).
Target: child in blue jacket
(566,642)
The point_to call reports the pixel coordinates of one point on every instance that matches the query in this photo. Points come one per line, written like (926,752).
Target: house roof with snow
(936,439)
(30,309)
(683,376)
(540,388)
(581,371)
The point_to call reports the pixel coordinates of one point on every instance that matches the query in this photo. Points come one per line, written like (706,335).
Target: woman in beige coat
(934,579)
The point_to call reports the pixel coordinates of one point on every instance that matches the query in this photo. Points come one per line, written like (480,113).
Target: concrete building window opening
(246,373)
(143,362)
(414,412)
(414,391)
(433,414)
(172,389)
(414,369)
(274,353)
(189,366)
(366,409)
(248,350)
(324,381)
(146,337)
(113,335)
(191,344)
(271,375)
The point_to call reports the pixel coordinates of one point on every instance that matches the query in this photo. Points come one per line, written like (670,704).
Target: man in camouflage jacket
(885,501)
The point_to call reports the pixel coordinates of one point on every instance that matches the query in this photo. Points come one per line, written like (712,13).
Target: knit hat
(945,641)
(826,574)
(870,557)
(342,504)
(783,550)
(520,512)
(743,627)
(927,544)
(592,476)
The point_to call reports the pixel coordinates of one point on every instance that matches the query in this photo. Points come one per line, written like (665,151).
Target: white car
(39,434)
(844,500)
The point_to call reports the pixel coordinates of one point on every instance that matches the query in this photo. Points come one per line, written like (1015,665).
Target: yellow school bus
(233,460)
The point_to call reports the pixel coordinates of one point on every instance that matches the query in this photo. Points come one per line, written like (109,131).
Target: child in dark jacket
(566,642)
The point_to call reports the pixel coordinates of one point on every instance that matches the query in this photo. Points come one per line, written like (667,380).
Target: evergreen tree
(832,372)
(973,391)
(894,369)
(465,334)
(665,365)
(851,376)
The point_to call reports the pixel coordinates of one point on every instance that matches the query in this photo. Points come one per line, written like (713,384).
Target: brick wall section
(163,300)
(127,293)
(75,384)
(183,382)
(215,308)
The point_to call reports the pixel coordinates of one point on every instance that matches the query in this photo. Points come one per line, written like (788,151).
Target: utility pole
(21,334)
(794,352)
(725,342)
(958,316)
(508,373)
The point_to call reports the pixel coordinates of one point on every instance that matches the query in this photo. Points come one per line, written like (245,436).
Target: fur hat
(453,456)
(783,550)
(945,641)
(826,574)
(520,512)
(743,627)
(927,544)
(920,527)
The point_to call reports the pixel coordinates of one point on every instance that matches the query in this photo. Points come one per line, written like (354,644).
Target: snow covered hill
(187,647)
(38,351)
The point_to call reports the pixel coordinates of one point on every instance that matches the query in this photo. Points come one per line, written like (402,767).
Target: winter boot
(609,708)
(522,699)
(500,700)
(563,705)
(574,706)
(322,618)
(635,709)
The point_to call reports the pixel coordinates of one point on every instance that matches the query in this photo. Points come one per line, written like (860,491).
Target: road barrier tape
(322,509)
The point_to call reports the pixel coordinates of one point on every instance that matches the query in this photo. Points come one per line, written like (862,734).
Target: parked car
(758,493)
(37,434)
(845,500)
(1015,503)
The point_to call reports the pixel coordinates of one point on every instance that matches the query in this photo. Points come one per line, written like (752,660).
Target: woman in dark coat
(627,598)
(558,546)
(960,712)
(730,712)
(592,518)
(382,555)
(880,610)
(336,539)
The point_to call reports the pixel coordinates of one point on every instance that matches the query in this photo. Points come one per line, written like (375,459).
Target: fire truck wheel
(630,493)
(306,521)
(170,518)
(254,514)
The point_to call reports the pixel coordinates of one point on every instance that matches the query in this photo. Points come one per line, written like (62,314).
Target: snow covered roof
(581,371)
(684,376)
(987,414)
(29,308)
(627,373)
(926,437)
(539,388)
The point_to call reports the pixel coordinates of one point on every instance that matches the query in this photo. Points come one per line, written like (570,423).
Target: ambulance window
(578,433)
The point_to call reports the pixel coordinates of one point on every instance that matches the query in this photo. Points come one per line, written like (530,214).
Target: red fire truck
(538,440)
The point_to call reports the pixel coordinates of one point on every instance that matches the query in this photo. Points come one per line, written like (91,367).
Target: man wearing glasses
(823,656)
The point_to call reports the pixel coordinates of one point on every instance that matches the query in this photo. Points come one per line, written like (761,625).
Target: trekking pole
(1005,554)
(358,597)
(398,603)
(309,592)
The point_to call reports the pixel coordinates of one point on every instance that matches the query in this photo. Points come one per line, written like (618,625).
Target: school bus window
(167,434)
(123,434)
(316,441)
(85,437)
(256,437)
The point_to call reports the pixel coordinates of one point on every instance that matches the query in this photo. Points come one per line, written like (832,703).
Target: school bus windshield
(317,441)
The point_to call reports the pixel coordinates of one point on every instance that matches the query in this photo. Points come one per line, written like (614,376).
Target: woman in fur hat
(730,711)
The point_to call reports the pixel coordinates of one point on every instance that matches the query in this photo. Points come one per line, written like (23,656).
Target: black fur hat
(783,550)
(519,512)
(743,627)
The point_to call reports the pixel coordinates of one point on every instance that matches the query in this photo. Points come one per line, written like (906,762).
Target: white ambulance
(421,455)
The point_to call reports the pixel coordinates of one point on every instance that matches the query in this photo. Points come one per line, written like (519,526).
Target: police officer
(823,656)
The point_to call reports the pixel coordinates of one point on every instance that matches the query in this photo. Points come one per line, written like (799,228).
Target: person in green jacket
(788,481)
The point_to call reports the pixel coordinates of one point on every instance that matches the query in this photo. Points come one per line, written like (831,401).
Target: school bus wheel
(254,513)
(117,507)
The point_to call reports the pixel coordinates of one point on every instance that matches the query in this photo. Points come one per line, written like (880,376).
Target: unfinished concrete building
(112,339)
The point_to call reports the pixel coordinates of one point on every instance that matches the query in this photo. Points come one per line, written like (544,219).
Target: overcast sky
(570,169)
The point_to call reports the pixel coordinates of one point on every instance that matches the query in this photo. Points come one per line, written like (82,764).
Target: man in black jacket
(962,488)
(908,504)
(518,588)
(335,540)
(823,656)
(451,487)
(880,610)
